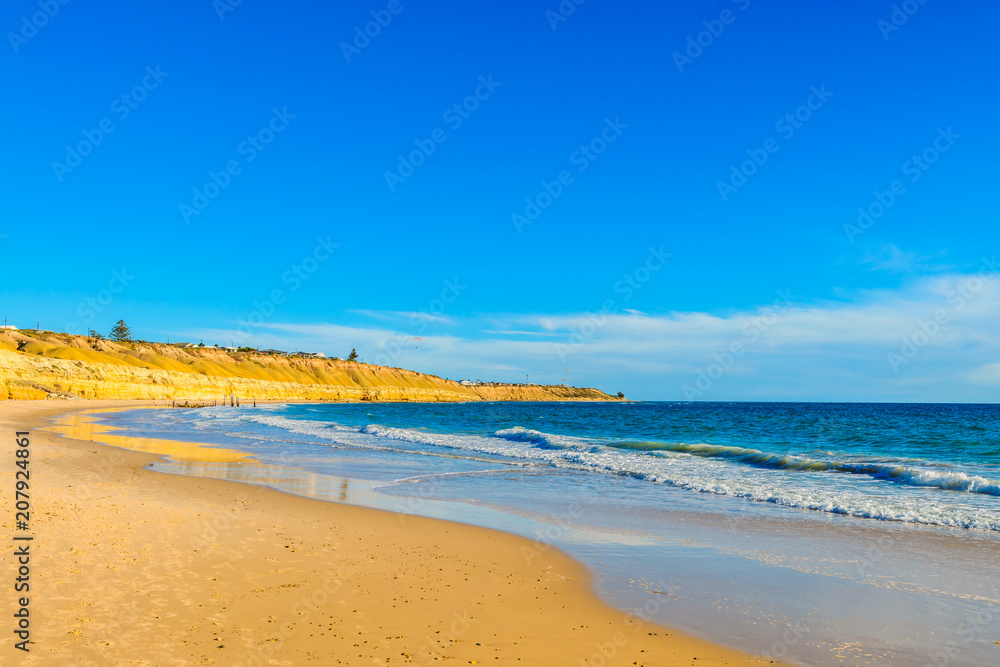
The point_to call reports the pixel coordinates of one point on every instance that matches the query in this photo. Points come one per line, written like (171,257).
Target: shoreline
(145,566)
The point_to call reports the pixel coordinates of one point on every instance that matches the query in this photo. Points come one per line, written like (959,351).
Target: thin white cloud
(942,330)
(412,316)
(889,257)
(518,333)
(986,374)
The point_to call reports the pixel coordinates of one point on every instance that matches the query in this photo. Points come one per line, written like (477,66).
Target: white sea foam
(880,489)
(538,438)
(892,471)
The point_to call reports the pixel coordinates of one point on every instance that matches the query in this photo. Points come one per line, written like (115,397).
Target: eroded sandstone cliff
(35,365)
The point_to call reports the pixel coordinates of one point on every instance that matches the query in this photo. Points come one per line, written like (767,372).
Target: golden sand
(134,567)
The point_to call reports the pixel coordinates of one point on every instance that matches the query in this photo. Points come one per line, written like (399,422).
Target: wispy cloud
(519,333)
(808,351)
(889,257)
(395,315)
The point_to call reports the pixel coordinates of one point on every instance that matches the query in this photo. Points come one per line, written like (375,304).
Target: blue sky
(314,235)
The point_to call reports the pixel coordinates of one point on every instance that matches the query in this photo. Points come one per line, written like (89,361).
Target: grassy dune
(36,365)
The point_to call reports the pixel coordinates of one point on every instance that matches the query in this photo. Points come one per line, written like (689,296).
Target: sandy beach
(134,567)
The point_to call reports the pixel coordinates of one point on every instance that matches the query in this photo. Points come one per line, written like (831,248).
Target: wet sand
(130,566)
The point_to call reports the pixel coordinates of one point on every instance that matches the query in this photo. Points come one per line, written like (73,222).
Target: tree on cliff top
(353,356)
(121,333)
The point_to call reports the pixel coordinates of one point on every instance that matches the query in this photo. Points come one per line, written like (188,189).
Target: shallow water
(828,534)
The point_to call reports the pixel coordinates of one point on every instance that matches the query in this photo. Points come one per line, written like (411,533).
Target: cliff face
(36,365)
